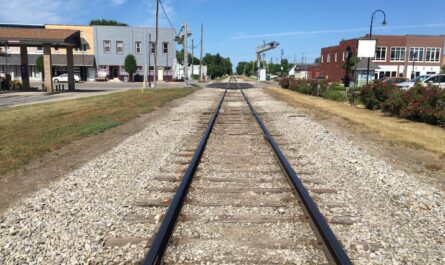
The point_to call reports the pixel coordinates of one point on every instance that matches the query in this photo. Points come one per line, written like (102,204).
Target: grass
(415,134)
(28,132)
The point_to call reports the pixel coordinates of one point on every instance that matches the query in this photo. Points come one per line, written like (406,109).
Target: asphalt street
(86,89)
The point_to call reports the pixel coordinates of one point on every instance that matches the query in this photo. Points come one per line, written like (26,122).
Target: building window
(432,55)
(335,57)
(39,49)
(103,67)
(107,46)
(380,54)
(138,47)
(83,48)
(119,47)
(152,48)
(139,68)
(322,58)
(328,59)
(398,54)
(416,54)
(165,47)
(344,56)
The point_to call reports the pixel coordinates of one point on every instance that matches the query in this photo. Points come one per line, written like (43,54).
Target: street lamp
(370,36)
(414,61)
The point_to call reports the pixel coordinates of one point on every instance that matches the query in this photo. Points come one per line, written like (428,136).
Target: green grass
(28,132)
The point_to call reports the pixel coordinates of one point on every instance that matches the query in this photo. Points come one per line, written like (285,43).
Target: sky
(235,27)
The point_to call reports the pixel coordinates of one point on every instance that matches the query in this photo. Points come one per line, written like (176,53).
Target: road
(86,89)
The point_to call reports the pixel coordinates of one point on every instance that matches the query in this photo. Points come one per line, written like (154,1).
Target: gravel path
(86,216)
(382,215)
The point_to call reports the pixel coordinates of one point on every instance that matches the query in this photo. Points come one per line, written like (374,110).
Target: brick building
(395,56)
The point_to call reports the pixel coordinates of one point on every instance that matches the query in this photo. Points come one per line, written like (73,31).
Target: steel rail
(335,252)
(160,242)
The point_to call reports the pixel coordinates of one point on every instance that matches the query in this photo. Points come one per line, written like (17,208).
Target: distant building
(102,52)
(114,43)
(84,60)
(395,56)
(305,71)
(179,71)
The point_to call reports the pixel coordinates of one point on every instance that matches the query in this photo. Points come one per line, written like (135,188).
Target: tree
(443,69)
(106,22)
(317,60)
(39,65)
(180,58)
(285,65)
(241,67)
(130,65)
(350,67)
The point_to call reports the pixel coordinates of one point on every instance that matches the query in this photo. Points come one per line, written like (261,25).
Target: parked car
(393,80)
(437,80)
(64,78)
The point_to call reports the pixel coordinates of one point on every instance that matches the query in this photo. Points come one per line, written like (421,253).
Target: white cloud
(35,11)
(364,29)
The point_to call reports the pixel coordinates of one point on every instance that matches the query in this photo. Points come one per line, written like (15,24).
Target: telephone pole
(186,55)
(200,57)
(193,56)
(156,47)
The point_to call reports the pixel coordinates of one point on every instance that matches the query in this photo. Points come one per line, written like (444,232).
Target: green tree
(180,58)
(286,66)
(39,65)
(130,65)
(106,22)
(443,69)
(350,67)
(317,60)
(240,68)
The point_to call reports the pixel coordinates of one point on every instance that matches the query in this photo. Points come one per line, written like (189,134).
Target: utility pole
(156,47)
(150,45)
(193,56)
(200,57)
(186,55)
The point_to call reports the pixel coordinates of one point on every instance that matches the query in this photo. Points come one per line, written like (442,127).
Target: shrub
(395,102)
(373,95)
(334,95)
(425,104)
(284,82)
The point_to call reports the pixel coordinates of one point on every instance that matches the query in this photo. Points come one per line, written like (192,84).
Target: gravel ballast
(384,215)
(71,221)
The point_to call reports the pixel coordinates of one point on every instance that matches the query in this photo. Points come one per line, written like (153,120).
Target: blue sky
(235,27)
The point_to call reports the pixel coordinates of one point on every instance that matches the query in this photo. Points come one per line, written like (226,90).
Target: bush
(395,102)
(284,82)
(425,104)
(334,95)
(373,95)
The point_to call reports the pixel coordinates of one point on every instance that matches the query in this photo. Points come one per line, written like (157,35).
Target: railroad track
(240,201)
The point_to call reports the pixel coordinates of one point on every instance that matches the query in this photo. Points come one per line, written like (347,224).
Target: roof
(363,65)
(37,36)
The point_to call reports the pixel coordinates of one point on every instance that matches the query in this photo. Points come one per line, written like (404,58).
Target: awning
(56,59)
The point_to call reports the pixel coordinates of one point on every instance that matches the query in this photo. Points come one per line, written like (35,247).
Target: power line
(169,21)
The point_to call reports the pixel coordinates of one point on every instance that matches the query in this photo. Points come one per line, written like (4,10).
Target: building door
(114,72)
(161,74)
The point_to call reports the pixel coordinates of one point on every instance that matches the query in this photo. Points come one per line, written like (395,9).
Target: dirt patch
(410,157)
(40,173)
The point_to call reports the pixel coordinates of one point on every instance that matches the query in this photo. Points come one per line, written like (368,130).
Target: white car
(64,78)
(437,80)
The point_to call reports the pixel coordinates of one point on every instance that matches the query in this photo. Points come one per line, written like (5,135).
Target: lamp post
(370,36)
(414,61)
